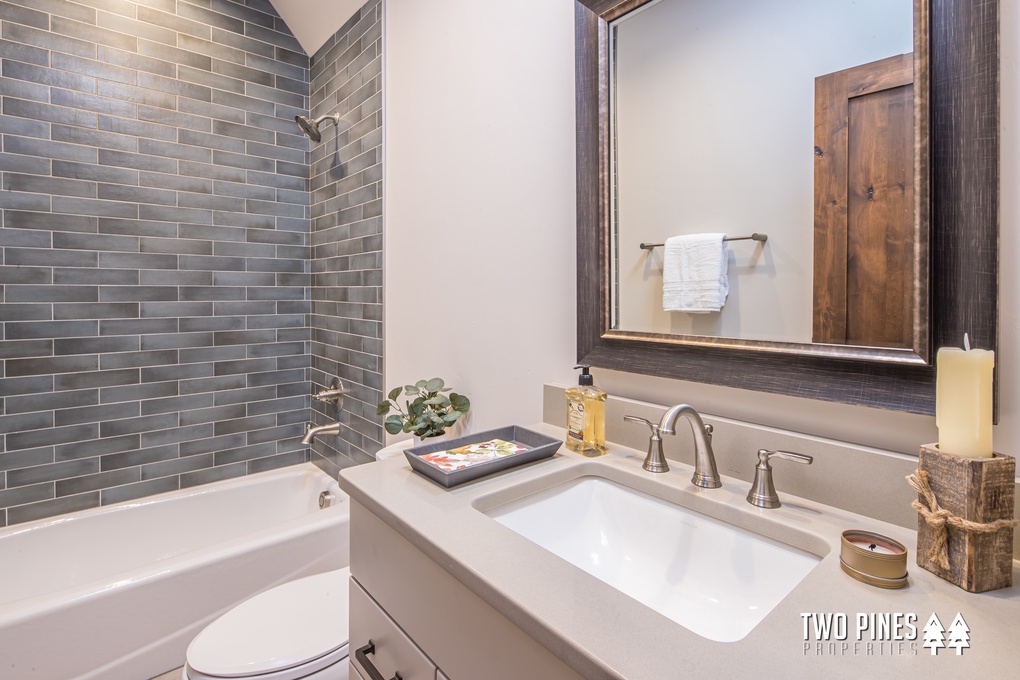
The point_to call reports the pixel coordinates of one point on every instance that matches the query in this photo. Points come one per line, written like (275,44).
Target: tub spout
(310,432)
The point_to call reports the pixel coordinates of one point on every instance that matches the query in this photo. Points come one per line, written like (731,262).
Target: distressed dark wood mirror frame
(963,156)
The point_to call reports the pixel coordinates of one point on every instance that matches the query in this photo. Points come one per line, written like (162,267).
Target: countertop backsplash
(861,479)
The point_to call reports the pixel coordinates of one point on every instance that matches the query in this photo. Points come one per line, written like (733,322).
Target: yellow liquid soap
(586,418)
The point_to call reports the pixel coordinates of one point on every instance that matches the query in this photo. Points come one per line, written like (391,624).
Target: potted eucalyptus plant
(427,411)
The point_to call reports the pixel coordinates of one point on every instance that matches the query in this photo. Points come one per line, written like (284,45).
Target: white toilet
(295,631)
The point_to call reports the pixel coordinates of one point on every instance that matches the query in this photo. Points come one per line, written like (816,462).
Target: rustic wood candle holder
(979,491)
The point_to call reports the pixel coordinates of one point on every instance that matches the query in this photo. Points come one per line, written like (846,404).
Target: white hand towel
(694,275)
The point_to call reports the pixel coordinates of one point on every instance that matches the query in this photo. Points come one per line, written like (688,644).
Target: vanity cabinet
(381,644)
(432,615)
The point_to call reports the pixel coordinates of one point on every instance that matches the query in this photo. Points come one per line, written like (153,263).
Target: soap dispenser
(586,416)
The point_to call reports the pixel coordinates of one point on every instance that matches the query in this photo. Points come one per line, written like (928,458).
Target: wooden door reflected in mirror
(865,288)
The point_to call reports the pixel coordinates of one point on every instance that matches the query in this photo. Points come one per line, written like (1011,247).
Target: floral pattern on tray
(473,454)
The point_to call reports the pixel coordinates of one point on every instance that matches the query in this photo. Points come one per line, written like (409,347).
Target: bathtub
(119,592)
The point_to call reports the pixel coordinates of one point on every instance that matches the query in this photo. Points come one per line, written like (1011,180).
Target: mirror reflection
(791,118)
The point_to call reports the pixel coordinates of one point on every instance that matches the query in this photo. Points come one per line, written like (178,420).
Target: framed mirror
(953,281)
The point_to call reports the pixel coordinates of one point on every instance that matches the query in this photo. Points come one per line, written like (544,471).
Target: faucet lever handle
(764,455)
(334,393)
(637,419)
(329,395)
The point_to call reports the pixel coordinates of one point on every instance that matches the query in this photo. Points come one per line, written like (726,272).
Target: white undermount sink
(713,578)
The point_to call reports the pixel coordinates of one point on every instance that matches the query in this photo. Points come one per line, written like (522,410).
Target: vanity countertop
(602,633)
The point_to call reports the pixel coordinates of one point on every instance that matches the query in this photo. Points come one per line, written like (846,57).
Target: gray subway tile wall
(171,246)
(346,236)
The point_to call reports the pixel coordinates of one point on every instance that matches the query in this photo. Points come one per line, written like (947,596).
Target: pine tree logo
(959,634)
(934,634)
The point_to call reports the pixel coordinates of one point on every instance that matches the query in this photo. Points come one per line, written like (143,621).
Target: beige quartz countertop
(602,633)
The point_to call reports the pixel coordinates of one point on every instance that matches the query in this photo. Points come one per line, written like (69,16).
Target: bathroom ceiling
(312,23)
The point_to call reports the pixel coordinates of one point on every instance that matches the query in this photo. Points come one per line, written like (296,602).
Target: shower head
(311,127)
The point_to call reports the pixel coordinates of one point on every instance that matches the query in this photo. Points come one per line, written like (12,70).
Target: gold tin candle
(873,559)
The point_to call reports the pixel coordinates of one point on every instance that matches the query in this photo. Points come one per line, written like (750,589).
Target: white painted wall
(480,168)
(313,22)
(714,123)
(479,200)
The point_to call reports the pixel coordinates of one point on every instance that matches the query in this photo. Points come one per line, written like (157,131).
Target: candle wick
(966,341)
(873,547)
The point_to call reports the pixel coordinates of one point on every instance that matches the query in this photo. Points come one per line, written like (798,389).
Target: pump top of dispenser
(585,378)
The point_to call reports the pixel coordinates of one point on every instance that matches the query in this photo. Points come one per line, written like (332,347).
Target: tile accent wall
(346,236)
(155,245)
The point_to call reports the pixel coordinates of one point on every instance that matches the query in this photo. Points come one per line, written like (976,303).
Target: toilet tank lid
(283,627)
(393,450)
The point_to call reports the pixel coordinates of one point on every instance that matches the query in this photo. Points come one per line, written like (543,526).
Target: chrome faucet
(333,395)
(310,432)
(705,473)
(655,461)
(763,491)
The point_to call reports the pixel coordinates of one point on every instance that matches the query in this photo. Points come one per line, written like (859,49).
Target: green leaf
(460,402)
(394,424)
(428,410)
(422,431)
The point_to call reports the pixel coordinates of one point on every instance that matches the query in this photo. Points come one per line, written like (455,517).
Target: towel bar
(753,237)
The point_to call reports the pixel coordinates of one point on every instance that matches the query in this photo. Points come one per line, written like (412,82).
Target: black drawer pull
(362,656)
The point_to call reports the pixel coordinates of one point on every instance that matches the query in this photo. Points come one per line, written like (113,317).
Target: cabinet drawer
(462,634)
(391,652)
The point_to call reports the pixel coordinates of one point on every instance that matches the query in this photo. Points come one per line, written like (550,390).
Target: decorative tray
(454,461)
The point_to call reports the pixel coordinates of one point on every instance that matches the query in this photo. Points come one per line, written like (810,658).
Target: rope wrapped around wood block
(938,518)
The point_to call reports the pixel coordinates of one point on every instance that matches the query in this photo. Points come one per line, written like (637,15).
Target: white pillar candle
(963,400)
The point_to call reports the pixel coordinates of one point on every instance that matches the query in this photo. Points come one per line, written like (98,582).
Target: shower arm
(332,117)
